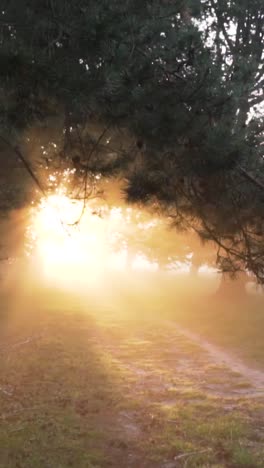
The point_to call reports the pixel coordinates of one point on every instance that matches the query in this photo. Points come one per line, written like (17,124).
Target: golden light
(141,262)
(75,246)
(208,270)
(70,244)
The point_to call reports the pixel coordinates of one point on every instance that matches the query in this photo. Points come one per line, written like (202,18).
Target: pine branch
(249,177)
(223,29)
(25,163)
(257,100)
(86,196)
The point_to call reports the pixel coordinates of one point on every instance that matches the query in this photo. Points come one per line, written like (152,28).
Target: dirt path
(119,391)
(254,376)
(169,371)
(166,357)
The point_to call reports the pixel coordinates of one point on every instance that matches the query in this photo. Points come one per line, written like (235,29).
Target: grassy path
(105,390)
(234,326)
(254,377)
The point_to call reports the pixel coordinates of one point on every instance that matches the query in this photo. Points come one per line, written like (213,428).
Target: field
(92,386)
(236,326)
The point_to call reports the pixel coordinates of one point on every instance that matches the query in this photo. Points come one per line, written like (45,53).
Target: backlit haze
(104,249)
(78,246)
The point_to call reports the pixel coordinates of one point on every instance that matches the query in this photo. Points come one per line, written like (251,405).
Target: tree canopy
(166,93)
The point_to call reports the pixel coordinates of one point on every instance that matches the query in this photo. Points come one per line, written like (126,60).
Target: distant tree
(232,291)
(160,92)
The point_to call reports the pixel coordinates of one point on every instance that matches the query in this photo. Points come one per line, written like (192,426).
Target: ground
(124,382)
(84,385)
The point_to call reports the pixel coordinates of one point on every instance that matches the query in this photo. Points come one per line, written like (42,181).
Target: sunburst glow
(77,245)
(70,243)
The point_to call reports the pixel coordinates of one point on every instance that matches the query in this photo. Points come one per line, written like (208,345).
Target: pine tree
(159,91)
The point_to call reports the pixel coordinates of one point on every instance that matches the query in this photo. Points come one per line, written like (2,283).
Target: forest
(166,95)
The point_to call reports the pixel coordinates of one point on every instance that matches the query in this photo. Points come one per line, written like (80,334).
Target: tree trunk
(232,290)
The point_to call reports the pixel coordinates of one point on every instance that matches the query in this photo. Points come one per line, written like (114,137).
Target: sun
(75,246)
(70,242)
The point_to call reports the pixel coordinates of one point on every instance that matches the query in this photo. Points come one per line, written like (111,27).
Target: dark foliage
(159,91)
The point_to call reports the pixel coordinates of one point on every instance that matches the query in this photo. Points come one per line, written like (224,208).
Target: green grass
(235,326)
(63,393)
(204,437)
(72,394)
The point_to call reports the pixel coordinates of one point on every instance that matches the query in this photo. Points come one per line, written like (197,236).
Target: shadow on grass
(68,376)
(58,394)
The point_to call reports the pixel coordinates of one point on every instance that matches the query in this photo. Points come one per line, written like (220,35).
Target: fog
(116,257)
(106,251)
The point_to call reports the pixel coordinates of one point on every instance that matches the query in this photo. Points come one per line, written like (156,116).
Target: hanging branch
(25,163)
(28,168)
(252,179)
(97,143)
